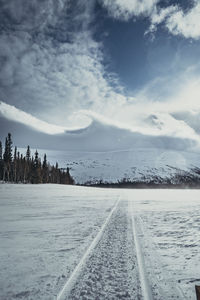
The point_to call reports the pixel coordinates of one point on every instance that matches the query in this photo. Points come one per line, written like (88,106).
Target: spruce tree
(7,158)
(15,153)
(15,165)
(44,164)
(8,149)
(29,169)
(1,161)
(36,172)
(28,153)
(1,151)
(5,155)
(45,169)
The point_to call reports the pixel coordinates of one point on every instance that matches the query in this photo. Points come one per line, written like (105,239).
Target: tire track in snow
(146,289)
(64,293)
(112,270)
(157,285)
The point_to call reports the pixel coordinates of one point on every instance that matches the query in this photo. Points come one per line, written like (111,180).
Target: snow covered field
(150,243)
(168,226)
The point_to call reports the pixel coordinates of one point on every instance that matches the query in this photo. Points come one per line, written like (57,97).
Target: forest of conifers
(14,167)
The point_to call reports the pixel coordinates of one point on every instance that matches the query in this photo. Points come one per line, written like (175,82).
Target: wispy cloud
(126,9)
(51,65)
(175,19)
(186,24)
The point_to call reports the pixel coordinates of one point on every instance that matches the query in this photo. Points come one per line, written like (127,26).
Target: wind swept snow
(47,230)
(44,230)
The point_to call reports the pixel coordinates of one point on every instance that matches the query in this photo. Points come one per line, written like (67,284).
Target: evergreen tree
(69,179)
(28,153)
(8,149)
(1,161)
(15,165)
(1,151)
(44,164)
(7,158)
(5,155)
(36,171)
(27,169)
(15,153)
(45,169)
(28,164)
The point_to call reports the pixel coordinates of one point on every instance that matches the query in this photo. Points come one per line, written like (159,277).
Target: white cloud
(158,16)
(31,15)
(186,24)
(14,114)
(177,21)
(57,70)
(126,9)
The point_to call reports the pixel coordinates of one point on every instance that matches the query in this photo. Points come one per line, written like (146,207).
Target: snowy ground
(44,231)
(112,271)
(168,226)
(149,243)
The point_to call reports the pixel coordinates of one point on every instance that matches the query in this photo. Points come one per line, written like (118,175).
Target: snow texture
(47,229)
(111,271)
(44,231)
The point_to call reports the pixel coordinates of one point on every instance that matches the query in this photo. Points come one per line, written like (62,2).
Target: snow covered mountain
(104,151)
(139,164)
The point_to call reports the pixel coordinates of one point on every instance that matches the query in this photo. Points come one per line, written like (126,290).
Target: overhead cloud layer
(53,66)
(50,62)
(179,22)
(175,19)
(126,9)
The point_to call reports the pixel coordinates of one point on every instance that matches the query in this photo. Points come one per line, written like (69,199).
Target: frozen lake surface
(152,238)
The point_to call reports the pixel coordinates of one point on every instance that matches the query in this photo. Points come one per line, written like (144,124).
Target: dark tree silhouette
(27,169)
(7,158)
(45,175)
(28,153)
(1,161)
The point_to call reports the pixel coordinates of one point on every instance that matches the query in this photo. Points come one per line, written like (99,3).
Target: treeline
(14,167)
(180,180)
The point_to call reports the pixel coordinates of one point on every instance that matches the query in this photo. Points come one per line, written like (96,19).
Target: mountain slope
(139,164)
(105,152)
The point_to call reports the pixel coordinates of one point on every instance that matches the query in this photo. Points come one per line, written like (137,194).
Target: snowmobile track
(146,290)
(64,293)
(112,269)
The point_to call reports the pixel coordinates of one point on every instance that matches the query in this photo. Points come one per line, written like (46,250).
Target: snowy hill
(159,147)
(139,164)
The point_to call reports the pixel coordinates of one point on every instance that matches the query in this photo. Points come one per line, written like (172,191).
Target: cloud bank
(51,65)
(12,113)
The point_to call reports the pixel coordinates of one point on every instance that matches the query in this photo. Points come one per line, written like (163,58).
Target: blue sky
(138,57)
(116,58)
